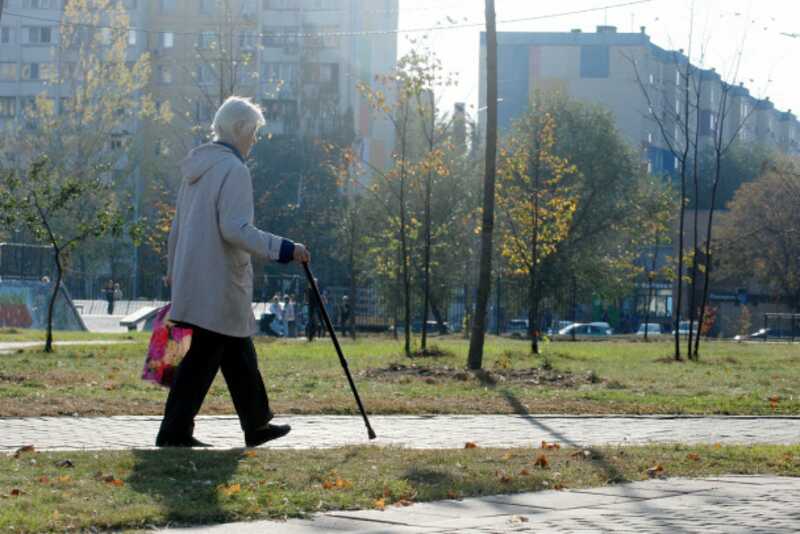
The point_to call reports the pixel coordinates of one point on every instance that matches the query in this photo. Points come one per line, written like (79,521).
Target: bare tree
(475,358)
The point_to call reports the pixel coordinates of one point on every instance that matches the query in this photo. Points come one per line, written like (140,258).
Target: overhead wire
(360,33)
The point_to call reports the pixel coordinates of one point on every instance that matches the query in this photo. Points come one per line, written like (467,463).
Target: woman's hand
(301,254)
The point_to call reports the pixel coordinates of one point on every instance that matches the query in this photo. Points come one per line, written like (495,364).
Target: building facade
(633,79)
(300,59)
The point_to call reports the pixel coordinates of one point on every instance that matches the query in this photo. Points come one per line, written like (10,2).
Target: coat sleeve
(172,241)
(235,212)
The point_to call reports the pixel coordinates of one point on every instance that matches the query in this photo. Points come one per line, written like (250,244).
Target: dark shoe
(259,437)
(185,442)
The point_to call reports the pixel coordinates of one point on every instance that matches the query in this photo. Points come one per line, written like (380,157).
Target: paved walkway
(11,346)
(731,504)
(423,432)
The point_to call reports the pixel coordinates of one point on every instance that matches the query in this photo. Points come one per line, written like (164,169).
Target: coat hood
(203,158)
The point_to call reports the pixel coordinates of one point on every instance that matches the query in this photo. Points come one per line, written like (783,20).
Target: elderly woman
(210,245)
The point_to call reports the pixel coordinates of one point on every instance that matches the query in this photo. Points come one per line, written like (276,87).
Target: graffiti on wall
(23,304)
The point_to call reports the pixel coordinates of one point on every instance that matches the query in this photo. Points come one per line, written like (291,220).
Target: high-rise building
(300,59)
(599,68)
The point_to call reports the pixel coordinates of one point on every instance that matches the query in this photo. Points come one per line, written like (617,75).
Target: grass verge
(306,378)
(11,335)
(144,489)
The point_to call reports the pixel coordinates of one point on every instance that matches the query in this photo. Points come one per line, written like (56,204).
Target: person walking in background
(209,266)
(312,325)
(109,294)
(117,292)
(345,315)
(289,315)
(277,311)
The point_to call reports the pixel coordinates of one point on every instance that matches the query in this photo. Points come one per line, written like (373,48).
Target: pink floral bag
(168,345)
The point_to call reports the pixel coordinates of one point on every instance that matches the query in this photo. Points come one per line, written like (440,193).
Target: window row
(46,35)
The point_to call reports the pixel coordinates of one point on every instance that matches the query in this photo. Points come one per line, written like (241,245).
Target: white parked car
(652,329)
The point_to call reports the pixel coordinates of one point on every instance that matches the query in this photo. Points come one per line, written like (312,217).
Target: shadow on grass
(613,474)
(185,482)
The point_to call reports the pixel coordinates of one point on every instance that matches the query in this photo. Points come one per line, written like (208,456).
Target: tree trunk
(475,359)
(353,276)
(427,261)
(48,344)
(682,215)
(404,243)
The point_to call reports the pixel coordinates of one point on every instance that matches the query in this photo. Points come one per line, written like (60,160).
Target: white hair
(235,117)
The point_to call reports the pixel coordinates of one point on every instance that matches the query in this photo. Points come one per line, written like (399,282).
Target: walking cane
(329,325)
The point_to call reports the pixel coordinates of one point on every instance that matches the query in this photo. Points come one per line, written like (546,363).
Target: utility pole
(475,359)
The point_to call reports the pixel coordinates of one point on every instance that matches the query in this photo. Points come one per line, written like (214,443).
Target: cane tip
(371,434)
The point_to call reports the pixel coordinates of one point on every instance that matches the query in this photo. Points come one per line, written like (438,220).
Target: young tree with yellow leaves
(534,207)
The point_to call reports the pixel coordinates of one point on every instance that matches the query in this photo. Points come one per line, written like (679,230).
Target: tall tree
(475,358)
(536,208)
(763,245)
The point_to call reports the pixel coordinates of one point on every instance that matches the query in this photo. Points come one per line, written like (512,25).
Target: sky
(726,33)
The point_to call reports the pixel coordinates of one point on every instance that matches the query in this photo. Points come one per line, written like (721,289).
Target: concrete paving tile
(558,500)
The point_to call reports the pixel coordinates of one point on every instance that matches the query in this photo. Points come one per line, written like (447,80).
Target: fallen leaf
(693,456)
(471,445)
(379,504)
(505,479)
(655,471)
(404,502)
(64,479)
(506,456)
(24,448)
(524,473)
(541,461)
(558,486)
(327,485)
(553,445)
(250,454)
(718,445)
(16,492)
(453,494)
(44,480)
(343,484)
(774,400)
(229,489)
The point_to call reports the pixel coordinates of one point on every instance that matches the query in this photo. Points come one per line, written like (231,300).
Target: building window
(650,137)
(206,40)
(652,79)
(208,7)
(248,40)
(6,35)
(8,72)
(131,37)
(677,107)
(117,141)
(167,6)
(204,73)
(164,74)
(167,40)
(37,71)
(8,106)
(279,36)
(37,35)
(595,61)
(249,7)
(41,4)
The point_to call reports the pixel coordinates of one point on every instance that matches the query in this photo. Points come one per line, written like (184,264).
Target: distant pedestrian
(314,314)
(289,316)
(108,291)
(210,269)
(345,316)
(117,293)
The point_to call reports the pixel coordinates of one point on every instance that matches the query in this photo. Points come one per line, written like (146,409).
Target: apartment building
(300,59)
(610,68)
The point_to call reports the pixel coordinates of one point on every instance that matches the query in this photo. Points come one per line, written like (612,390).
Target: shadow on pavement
(185,481)
(597,457)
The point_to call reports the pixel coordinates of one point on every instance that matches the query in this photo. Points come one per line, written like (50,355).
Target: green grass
(598,378)
(144,489)
(11,335)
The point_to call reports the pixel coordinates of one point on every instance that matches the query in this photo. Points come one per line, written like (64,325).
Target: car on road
(683,328)
(652,329)
(517,328)
(587,329)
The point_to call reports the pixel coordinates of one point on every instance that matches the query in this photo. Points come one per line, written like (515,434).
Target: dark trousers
(208,353)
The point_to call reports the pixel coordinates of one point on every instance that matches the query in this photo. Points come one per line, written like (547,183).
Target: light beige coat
(211,241)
